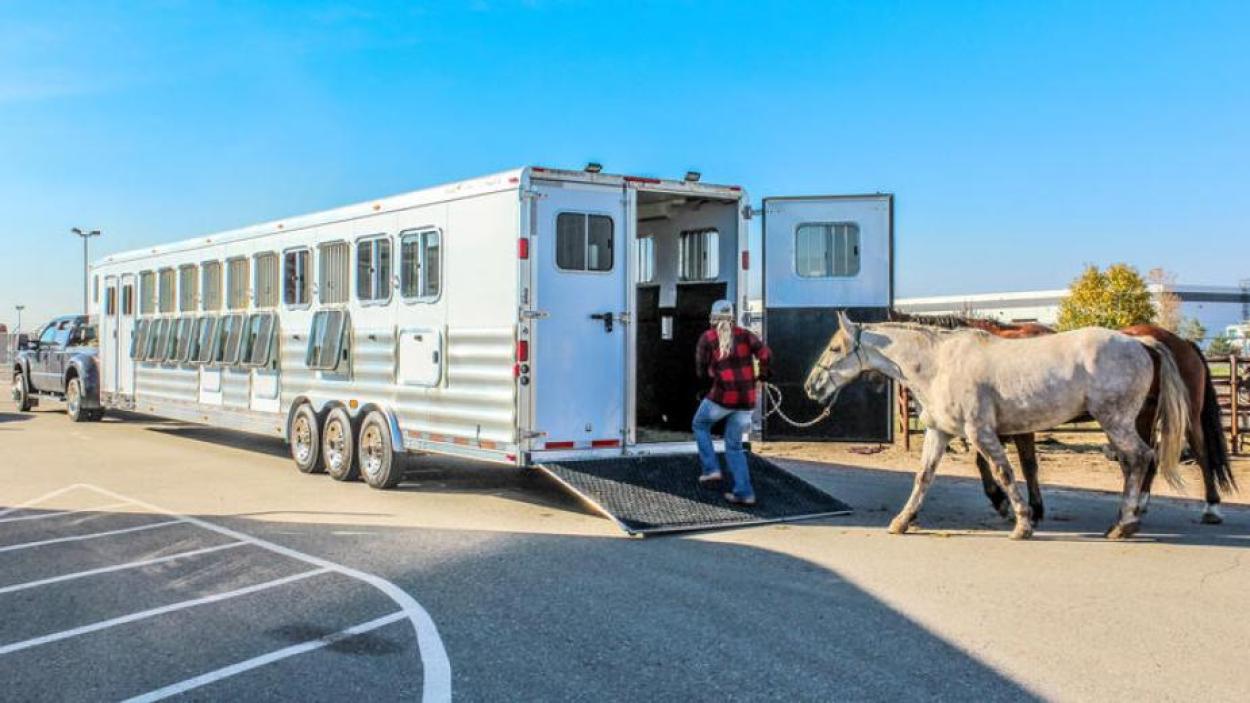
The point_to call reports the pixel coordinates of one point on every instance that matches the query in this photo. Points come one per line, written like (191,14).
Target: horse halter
(856,349)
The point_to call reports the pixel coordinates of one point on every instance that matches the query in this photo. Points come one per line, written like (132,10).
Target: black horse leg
(1027,452)
(998,498)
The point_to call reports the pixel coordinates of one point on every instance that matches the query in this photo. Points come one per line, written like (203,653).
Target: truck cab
(60,362)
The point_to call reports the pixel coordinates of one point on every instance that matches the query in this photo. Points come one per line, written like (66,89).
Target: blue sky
(1022,139)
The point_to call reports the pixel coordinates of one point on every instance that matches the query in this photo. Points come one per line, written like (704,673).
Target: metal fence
(8,350)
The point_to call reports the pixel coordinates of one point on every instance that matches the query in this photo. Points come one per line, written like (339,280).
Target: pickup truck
(61,362)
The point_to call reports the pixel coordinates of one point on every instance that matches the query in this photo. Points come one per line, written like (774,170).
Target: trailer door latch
(535,314)
(607,319)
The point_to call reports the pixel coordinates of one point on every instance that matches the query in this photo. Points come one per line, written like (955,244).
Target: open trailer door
(823,254)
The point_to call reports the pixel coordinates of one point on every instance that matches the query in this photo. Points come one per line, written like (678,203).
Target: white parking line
(265,659)
(435,666)
(42,516)
(173,607)
(40,499)
(118,567)
(92,535)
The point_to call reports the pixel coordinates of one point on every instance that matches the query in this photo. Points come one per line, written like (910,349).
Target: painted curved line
(435,666)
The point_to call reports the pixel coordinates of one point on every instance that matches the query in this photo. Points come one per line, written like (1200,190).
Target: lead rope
(773,394)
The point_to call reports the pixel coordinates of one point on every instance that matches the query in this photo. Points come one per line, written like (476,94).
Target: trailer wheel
(338,446)
(304,437)
(73,402)
(378,462)
(21,392)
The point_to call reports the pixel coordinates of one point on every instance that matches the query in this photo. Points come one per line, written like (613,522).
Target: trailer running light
(523,248)
(522,350)
(558,445)
(642,179)
(746,260)
(600,443)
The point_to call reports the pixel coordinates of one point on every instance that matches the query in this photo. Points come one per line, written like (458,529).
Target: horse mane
(985,324)
(946,322)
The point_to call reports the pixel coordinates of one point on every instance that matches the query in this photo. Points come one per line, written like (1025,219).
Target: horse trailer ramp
(647,495)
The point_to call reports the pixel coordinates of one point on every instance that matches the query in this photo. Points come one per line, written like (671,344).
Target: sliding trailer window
(128,299)
(699,258)
(421,265)
(168,291)
(258,335)
(110,299)
(147,293)
(373,269)
(201,351)
(229,333)
(266,280)
(139,339)
(236,284)
(186,333)
(188,287)
(326,347)
(826,250)
(158,339)
(584,242)
(332,273)
(297,278)
(210,283)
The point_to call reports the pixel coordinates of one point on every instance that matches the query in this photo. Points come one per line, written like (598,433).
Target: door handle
(607,319)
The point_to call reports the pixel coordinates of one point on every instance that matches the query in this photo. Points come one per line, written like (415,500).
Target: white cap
(722,310)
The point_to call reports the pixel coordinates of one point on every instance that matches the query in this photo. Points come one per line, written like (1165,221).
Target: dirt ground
(1069,459)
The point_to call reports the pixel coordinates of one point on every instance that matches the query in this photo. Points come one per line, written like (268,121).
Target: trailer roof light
(594,167)
(693,176)
(642,179)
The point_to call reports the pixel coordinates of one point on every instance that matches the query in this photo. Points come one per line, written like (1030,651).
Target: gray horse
(973,385)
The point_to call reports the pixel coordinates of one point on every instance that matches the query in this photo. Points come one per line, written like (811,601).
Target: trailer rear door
(823,254)
(578,359)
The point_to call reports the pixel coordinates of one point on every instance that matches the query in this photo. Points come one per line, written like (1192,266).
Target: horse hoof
(1022,532)
(899,526)
(1212,519)
(1122,531)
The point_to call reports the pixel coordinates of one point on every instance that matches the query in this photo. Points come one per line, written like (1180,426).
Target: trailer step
(646,495)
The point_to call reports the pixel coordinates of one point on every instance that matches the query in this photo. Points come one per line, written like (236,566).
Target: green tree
(1114,298)
(1221,345)
(1193,330)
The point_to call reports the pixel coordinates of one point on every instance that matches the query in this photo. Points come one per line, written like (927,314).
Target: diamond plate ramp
(655,494)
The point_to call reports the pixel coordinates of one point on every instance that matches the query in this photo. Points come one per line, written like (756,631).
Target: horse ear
(845,322)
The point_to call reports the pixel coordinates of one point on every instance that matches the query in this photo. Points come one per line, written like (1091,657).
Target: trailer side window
(332,274)
(172,340)
(236,284)
(201,351)
(646,259)
(188,287)
(186,333)
(420,265)
(157,338)
(257,339)
(373,269)
(699,258)
(128,299)
(139,339)
(110,300)
(584,242)
(147,293)
(296,281)
(325,340)
(267,280)
(826,250)
(211,283)
(226,340)
(167,290)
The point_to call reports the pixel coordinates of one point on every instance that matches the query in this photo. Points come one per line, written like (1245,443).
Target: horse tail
(1173,417)
(1213,433)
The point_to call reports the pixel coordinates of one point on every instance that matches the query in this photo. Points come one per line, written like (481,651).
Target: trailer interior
(688,259)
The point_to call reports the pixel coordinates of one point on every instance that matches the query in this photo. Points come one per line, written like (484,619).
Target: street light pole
(86,284)
(20,308)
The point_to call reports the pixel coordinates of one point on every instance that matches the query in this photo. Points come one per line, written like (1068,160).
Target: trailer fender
(84,368)
(397,437)
(295,404)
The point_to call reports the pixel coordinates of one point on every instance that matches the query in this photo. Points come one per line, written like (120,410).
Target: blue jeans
(738,424)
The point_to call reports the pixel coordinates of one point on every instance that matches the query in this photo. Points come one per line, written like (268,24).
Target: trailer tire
(73,402)
(304,438)
(338,446)
(21,392)
(378,464)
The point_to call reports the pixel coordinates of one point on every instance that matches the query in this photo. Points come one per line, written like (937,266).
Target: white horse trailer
(522,317)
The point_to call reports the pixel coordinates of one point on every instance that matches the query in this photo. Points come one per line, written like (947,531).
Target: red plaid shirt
(733,377)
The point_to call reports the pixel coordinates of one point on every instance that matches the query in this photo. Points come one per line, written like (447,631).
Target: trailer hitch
(607,320)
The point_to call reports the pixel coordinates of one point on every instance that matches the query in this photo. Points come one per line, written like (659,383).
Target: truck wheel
(338,446)
(305,441)
(73,402)
(378,463)
(21,392)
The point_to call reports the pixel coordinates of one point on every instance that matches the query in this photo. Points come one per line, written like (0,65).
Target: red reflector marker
(606,443)
(558,445)
(746,260)
(523,248)
(522,350)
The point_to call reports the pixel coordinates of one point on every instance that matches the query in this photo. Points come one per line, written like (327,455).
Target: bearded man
(729,355)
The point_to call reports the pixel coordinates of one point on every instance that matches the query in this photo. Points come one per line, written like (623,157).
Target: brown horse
(1205,435)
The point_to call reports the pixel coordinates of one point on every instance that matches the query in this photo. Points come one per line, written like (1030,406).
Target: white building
(1216,307)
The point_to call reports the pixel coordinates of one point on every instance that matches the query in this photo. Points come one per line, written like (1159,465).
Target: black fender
(84,367)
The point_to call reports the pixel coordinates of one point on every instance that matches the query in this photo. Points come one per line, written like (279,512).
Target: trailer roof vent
(593,167)
(693,176)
